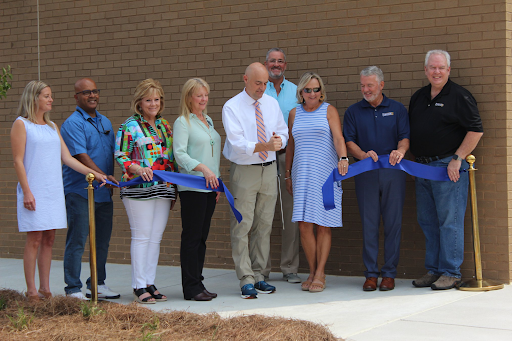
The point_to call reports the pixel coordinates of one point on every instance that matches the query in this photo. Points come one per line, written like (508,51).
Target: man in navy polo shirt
(445,128)
(376,126)
(286,94)
(90,139)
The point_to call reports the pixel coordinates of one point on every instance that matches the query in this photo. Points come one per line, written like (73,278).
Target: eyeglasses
(89,92)
(309,90)
(276,61)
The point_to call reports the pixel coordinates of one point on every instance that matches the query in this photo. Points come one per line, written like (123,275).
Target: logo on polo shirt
(391,113)
(439,105)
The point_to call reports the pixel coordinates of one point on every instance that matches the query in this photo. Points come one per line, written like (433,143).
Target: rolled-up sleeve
(235,133)
(180,145)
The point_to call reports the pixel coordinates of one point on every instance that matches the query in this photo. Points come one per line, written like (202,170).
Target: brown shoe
(370,284)
(387,284)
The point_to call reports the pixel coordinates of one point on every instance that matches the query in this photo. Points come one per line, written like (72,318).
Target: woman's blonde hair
(188,90)
(304,80)
(29,104)
(146,88)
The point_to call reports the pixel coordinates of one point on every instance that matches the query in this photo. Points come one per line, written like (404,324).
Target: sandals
(306,284)
(45,294)
(158,297)
(146,300)
(318,284)
(32,298)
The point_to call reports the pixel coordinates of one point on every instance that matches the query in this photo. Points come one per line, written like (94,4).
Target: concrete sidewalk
(404,314)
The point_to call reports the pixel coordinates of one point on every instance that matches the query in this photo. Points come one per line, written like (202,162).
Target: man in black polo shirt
(445,128)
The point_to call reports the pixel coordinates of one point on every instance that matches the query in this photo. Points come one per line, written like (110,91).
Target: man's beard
(274,76)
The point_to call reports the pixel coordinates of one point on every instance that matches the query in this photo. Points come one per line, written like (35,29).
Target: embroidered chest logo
(391,113)
(439,105)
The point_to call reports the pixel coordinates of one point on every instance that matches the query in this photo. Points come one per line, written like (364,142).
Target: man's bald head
(88,101)
(84,82)
(256,79)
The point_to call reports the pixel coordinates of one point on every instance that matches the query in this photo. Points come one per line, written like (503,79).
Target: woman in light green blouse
(196,147)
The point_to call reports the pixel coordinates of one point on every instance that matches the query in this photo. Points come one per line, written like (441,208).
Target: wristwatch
(343,158)
(456,157)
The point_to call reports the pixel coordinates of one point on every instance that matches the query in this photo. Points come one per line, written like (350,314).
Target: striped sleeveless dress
(314,159)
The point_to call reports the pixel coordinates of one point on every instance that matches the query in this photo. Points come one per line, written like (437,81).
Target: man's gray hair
(441,52)
(275,49)
(373,70)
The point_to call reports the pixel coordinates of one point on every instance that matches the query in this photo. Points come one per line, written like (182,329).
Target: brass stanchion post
(478,283)
(92,238)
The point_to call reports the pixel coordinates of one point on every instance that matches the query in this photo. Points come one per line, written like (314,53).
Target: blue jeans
(441,206)
(78,230)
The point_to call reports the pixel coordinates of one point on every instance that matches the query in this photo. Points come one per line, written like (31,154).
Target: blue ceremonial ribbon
(187,180)
(413,168)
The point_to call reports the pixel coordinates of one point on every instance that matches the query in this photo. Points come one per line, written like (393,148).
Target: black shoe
(201,297)
(211,294)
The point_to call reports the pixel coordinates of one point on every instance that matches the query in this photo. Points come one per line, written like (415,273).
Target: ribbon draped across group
(415,169)
(187,180)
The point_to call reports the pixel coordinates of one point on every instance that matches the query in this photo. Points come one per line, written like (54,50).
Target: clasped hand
(275,143)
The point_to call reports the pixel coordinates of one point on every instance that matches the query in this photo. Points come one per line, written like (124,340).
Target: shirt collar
(205,116)
(384,103)
(85,115)
(248,99)
(142,119)
(281,86)
(444,91)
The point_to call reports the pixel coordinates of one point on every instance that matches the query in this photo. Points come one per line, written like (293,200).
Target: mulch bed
(66,318)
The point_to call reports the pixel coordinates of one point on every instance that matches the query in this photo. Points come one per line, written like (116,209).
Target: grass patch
(67,318)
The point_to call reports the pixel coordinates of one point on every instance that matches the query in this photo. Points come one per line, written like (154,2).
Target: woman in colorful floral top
(144,144)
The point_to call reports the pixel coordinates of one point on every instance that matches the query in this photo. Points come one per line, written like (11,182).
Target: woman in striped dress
(316,146)
(144,144)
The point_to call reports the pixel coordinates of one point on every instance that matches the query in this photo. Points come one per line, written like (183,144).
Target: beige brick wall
(118,43)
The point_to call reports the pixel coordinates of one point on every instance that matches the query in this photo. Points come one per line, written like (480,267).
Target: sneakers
(104,292)
(264,288)
(249,292)
(78,295)
(291,278)
(425,281)
(445,282)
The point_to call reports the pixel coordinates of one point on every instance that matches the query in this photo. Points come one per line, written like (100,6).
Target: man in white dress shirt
(255,130)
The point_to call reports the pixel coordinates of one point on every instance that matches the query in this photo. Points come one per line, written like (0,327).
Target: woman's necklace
(202,124)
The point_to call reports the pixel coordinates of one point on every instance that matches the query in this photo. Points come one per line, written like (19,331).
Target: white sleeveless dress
(43,167)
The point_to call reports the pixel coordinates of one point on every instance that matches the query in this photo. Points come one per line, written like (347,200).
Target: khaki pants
(290,236)
(254,189)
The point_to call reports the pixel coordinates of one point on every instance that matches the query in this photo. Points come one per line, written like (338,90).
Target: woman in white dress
(315,146)
(38,150)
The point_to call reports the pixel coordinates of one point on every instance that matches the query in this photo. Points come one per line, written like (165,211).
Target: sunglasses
(309,90)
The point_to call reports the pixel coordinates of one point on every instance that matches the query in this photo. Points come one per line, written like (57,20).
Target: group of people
(274,128)
(143,143)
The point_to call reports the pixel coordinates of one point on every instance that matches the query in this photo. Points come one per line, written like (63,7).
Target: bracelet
(287,178)
(140,167)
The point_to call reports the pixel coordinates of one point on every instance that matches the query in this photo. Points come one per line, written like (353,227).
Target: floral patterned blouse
(138,143)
